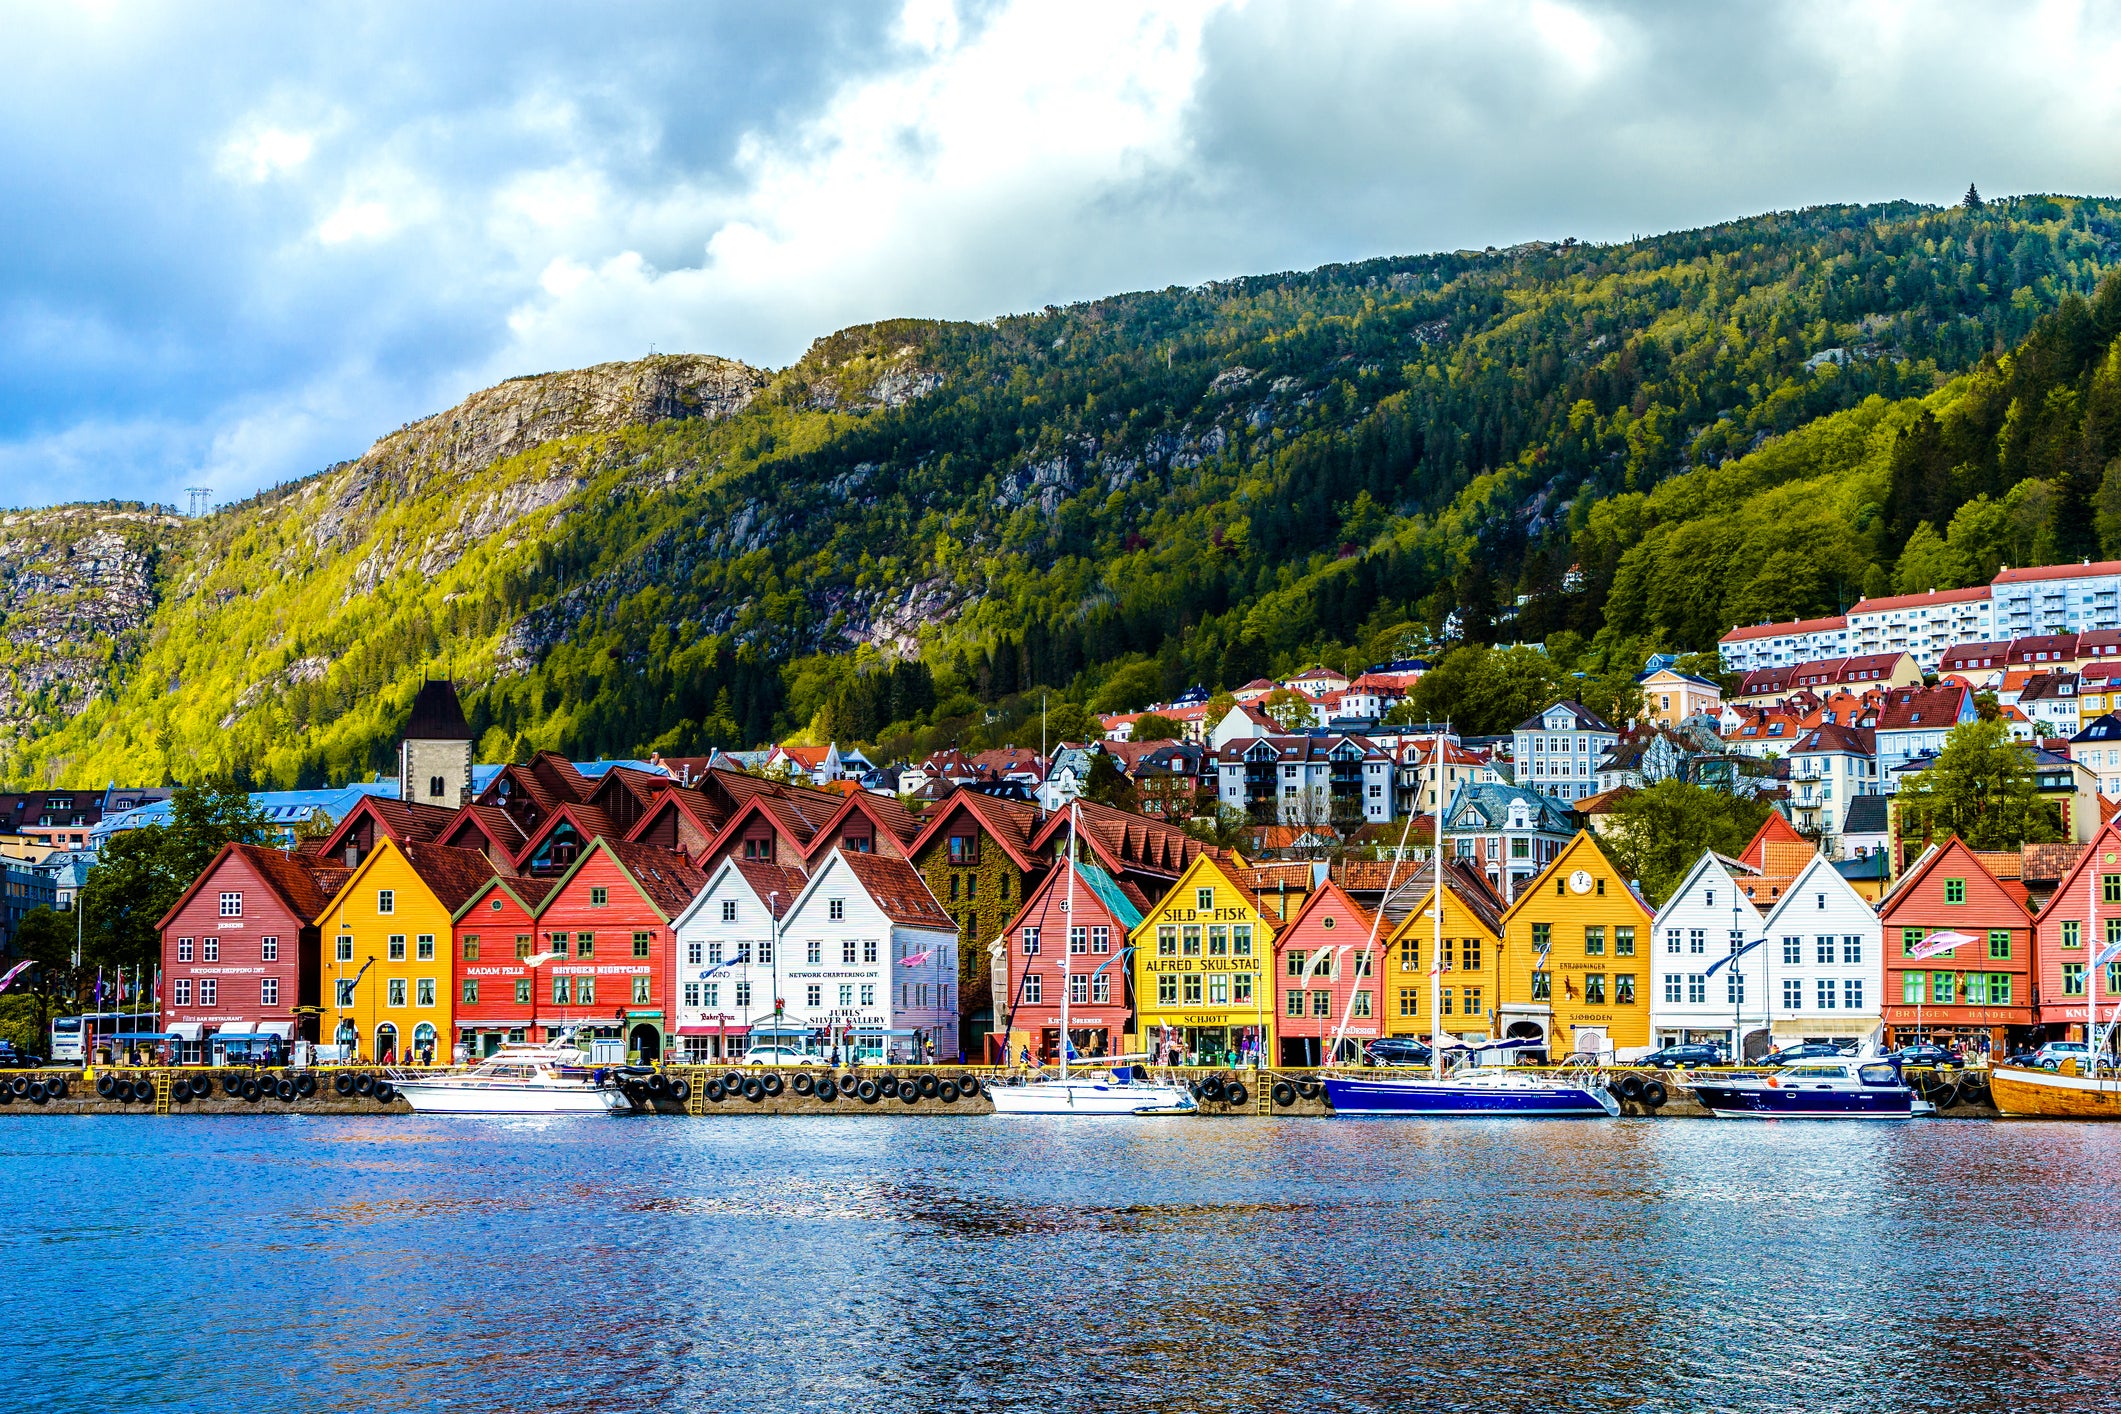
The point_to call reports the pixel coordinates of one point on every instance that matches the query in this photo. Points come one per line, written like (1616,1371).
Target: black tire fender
(909,1091)
(306,1085)
(804,1084)
(364,1085)
(56,1087)
(250,1091)
(733,1081)
(826,1089)
(754,1089)
(930,1087)
(714,1091)
(681,1089)
(968,1086)
(105,1084)
(1630,1086)
(342,1084)
(285,1090)
(37,1093)
(385,1092)
(947,1091)
(773,1083)
(1284,1094)
(866,1091)
(1654,1094)
(1236,1094)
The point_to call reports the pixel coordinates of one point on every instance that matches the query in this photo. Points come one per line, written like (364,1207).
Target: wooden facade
(2082,918)
(1576,966)
(1979,992)
(1328,962)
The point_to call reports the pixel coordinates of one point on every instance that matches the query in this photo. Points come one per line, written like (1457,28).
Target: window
(1204,900)
(836,909)
(1697,940)
(1100,988)
(1851,949)
(231,905)
(1166,988)
(1218,939)
(1409,956)
(1697,988)
(184,948)
(1030,943)
(1593,941)
(386,901)
(1189,940)
(426,947)
(2072,933)
(848,947)
(1914,988)
(1594,988)
(1671,940)
(426,992)
(711,994)
(1407,1001)
(2072,979)
(1079,988)
(743,994)
(1362,1002)
(641,943)
(471,990)
(1167,940)
(1542,937)
(558,942)
(1444,1002)
(692,994)
(1672,985)
(585,945)
(342,994)
(1955,891)
(1189,988)
(729,910)
(209,950)
(210,992)
(1101,939)
(598,897)
(1078,940)
(1944,987)
(395,948)
(1472,1002)
(2110,887)
(2113,930)
(471,947)
(1999,988)
(1321,1004)
(1734,986)
(1851,994)
(1623,941)
(397,991)
(869,950)
(1792,994)
(1035,988)
(1825,949)
(1909,939)
(1793,950)
(1542,986)
(559,991)
(182,991)
(1999,944)
(640,991)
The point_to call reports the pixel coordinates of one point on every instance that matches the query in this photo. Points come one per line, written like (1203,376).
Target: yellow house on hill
(388,955)
(1470,987)
(1201,960)
(1576,958)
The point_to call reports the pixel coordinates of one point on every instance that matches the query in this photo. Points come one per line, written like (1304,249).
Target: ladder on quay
(696,1102)
(163,1089)
(1263,1094)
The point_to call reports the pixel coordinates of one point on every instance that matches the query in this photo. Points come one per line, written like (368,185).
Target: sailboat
(1121,1086)
(2077,1090)
(1477,1091)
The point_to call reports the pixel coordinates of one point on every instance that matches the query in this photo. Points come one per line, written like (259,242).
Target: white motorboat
(1860,1088)
(517,1080)
(1125,1089)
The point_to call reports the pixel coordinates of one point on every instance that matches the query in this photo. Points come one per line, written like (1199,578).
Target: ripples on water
(899,1264)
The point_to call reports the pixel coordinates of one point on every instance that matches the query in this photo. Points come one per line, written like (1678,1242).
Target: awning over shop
(698,1029)
(237,1027)
(184,1030)
(281,1029)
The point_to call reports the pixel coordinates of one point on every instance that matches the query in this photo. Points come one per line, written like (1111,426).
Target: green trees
(1661,831)
(1291,709)
(140,874)
(1482,690)
(1154,726)
(1982,789)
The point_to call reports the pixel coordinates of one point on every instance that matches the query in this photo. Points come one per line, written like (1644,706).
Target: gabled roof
(1817,870)
(1571,857)
(689,801)
(771,882)
(1918,708)
(1330,895)
(1953,849)
(1776,829)
(403,821)
(1118,897)
(527,891)
(1709,863)
(1585,719)
(896,888)
(1867,815)
(589,823)
(303,884)
(667,879)
(883,811)
(1009,823)
(1831,737)
(1124,842)
(489,822)
(451,875)
(1462,880)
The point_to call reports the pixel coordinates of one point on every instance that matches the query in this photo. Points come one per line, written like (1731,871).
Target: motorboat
(1815,1088)
(1126,1088)
(1489,1092)
(517,1080)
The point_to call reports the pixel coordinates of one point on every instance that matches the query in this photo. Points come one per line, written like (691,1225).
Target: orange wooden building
(1979,992)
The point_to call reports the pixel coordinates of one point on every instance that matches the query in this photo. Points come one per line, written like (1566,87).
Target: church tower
(434,759)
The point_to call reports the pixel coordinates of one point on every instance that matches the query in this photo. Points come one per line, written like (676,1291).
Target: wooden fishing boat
(2026,1091)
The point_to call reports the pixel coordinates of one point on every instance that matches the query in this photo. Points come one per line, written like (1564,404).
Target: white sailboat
(1122,1086)
(1479,1091)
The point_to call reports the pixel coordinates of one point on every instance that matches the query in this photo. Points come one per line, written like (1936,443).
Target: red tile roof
(1912,601)
(303,883)
(2077,571)
(670,880)
(899,891)
(1779,630)
(453,876)
(778,885)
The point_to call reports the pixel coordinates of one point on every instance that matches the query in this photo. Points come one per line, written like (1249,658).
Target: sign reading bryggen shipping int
(1200,969)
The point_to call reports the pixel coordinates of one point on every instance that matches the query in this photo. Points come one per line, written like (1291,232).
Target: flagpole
(1436,838)
(2091,973)
(1067,942)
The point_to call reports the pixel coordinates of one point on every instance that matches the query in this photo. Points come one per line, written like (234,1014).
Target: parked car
(780,1055)
(1924,1053)
(2051,1055)
(12,1059)
(1807,1050)
(1668,1057)
(1398,1050)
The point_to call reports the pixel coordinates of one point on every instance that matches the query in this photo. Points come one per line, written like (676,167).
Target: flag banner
(1119,956)
(1731,957)
(13,972)
(2107,954)
(915,959)
(1938,943)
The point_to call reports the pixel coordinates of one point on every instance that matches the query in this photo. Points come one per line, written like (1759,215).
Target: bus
(75,1038)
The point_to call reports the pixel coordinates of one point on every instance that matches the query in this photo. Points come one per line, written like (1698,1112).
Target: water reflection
(898,1263)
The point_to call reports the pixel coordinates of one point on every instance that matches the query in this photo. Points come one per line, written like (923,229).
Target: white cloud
(356,220)
(264,153)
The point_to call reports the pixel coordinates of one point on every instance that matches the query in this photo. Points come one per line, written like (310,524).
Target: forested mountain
(907,531)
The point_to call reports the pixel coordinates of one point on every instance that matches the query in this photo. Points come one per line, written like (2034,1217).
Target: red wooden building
(239,949)
(1326,970)
(1979,992)
(610,915)
(2079,921)
(1058,946)
(496,935)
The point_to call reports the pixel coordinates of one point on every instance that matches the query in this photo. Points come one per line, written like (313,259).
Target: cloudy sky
(241,241)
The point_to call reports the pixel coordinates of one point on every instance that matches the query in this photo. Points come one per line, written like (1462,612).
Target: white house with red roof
(1921,625)
(2057,598)
(1751,646)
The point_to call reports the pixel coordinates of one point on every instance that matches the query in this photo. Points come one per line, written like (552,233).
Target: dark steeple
(437,715)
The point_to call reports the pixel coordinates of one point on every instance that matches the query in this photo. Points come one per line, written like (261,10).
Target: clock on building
(1580,881)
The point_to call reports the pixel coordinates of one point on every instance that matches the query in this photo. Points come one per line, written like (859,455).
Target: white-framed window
(692,994)
(869,950)
(231,905)
(184,949)
(181,989)
(1793,950)
(396,947)
(1030,942)
(1851,994)
(396,995)
(836,909)
(1697,940)
(846,994)
(814,951)
(868,994)
(1672,985)
(1825,951)
(1079,940)
(1826,994)
(1078,989)
(424,947)
(711,994)
(814,994)
(342,948)
(1852,949)
(847,951)
(1734,990)
(729,910)
(426,991)
(209,992)
(694,953)
(343,993)
(268,949)
(1101,939)
(1697,987)
(1793,994)
(1034,989)
(268,991)
(743,994)
(209,950)
(1101,988)
(386,901)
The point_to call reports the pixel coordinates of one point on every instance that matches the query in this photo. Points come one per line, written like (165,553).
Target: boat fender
(1308,1089)
(364,1085)
(1630,1086)
(249,1090)
(385,1092)
(20,1085)
(947,1091)
(867,1092)
(56,1087)
(1236,1093)
(909,1091)
(105,1083)
(1211,1089)
(1284,1094)
(773,1084)
(754,1090)
(849,1082)
(658,1086)
(202,1087)
(306,1086)
(144,1090)
(180,1093)
(713,1091)
(681,1089)
(825,1089)
(804,1085)
(968,1086)
(342,1084)
(1654,1094)
(7,1095)
(286,1090)
(733,1082)
(231,1085)
(37,1093)
(1774,1082)
(930,1087)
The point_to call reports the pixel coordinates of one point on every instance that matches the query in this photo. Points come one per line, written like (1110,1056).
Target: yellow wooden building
(388,957)
(1201,969)
(1471,983)
(1576,957)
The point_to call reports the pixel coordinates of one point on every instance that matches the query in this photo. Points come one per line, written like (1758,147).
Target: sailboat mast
(1436,910)
(1067,942)
(2091,973)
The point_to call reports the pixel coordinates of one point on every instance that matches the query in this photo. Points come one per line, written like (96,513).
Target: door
(646,1042)
(386,1042)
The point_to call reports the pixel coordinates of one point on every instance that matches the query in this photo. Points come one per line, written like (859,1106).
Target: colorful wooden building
(1055,948)
(1328,963)
(1470,986)
(1977,993)
(608,925)
(496,978)
(239,949)
(974,852)
(1201,956)
(2079,922)
(388,936)
(1573,955)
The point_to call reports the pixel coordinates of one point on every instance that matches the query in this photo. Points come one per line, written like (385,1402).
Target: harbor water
(905,1264)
